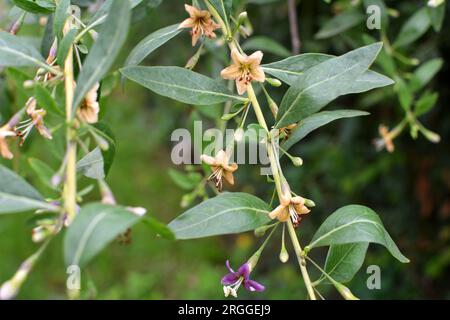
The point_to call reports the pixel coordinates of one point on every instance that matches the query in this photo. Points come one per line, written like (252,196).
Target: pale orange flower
(5,132)
(200,22)
(89,109)
(290,207)
(386,139)
(221,168)
(244,69)
(36,120)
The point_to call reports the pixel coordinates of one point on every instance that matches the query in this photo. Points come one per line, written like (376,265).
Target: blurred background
(409,189)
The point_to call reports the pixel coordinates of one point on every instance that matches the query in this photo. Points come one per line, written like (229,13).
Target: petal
(231,167)
(253,286)
(188,23)
(195,37)
(230,279)
(4,150)
(298,200)
(255,58)
(227,263)
(258,74)
(237,57)
(232,72)
(241,86)
(277,212)
(244,270)
(193,11)
(228,176)
(208,159)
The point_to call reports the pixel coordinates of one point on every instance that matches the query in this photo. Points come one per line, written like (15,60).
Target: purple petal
(244,270)
(230,279)
(228,266)
(251,285)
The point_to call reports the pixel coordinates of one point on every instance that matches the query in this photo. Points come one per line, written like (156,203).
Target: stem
(293,25)
(70,186)
(301,260)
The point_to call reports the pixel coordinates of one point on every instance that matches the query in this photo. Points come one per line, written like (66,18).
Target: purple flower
(233,280)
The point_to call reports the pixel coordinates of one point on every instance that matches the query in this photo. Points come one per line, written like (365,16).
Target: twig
(293,25)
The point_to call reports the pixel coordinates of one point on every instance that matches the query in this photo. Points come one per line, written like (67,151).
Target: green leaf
(64,46)
(289,71)
(437,15)
(92,165)
(158,227)
(404,93)
(36,6)
(61,15)
(105,50)
(150,43)
(413,29)
(323,83)
(16,195)
(43,171)
(180,84)
(16,53)
(316,121)
(46,101)
(425,103)
(423,74)
(267,45)
(340,23)
(344,261)
(223,7)
(186,181)
(95,226)
(105,132)
(225,214)
(351,224)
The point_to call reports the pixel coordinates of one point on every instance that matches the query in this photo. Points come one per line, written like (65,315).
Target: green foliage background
(410,189)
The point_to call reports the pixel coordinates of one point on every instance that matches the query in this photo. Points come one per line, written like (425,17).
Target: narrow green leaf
(61,15)
(105,50)
(16,53)
(43,171)
(267,45)
(340,23)
(344,261)
(289,71)
(45,100)
(413,29)
(150,43)
(16,195)
(64,46)
(316,121)
(437,16)
(425,73)
(158,227)
(105,132)
(223,7)
(95,226)
(180,84)
(425,103)
(225,214)
(323,83)
(355,223)
(92,165)
(36,6)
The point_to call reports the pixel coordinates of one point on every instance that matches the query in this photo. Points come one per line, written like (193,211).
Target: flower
(220,168)
(36,120)
(244,69)
(385,140)
(89,109)
(290,207)
(201,23)
(6,131)
(233,280)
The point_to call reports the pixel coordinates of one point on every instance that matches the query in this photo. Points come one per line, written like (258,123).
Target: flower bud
(28,84)
(297,161)
(274,82)
(309,203)
(284,255)
(139,211)
(243,17)
(345,292)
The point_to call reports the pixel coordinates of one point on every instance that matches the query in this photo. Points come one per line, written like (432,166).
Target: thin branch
(293,25)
